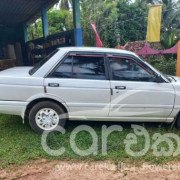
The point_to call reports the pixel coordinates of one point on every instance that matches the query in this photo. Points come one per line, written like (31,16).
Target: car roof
(97,49)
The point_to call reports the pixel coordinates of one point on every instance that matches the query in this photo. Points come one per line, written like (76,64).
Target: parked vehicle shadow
(125,125)
(15,122)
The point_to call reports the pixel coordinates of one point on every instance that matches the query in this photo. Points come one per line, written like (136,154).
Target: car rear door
(81,81)
(136,94)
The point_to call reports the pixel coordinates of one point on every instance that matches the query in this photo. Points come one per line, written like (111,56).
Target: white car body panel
(83,97)
(89,99)
(139,99)
(17,85)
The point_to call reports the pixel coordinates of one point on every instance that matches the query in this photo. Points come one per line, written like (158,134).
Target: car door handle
(120,87)
(53,85)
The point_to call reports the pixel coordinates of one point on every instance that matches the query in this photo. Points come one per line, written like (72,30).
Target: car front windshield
(41,63)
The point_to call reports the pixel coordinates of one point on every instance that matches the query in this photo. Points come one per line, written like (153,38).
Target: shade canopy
(18,12)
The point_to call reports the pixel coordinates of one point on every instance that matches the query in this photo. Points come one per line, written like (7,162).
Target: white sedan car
(89,84)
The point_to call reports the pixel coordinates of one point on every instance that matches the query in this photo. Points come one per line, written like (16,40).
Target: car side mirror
(159,79)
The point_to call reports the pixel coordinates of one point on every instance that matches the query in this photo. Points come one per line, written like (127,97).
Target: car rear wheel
(46,116)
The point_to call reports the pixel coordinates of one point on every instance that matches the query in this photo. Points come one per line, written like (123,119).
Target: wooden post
(178,61)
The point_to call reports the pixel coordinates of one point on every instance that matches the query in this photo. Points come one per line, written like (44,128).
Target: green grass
(19,143)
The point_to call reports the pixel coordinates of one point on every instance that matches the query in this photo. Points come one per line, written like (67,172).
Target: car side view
(89,84)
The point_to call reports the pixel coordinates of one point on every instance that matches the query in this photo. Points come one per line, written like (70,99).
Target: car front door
(136,94)
(80,80)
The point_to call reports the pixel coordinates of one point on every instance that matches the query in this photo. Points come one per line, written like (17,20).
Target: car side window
(129,70)
(85,67)
(81,67)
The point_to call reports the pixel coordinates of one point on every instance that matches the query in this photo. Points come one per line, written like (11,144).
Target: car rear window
(41,63)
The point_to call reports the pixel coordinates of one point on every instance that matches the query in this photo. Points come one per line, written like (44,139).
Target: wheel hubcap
(47,119)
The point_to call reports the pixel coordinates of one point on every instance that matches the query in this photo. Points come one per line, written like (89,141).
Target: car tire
(47,116)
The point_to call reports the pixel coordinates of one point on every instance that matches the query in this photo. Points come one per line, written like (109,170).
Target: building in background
(15,47)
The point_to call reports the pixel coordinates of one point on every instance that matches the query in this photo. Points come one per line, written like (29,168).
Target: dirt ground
(105,170)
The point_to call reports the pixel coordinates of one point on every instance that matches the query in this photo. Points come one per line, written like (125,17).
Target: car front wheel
(46,116)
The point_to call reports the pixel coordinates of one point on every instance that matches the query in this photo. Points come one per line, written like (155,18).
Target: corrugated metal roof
(14,12)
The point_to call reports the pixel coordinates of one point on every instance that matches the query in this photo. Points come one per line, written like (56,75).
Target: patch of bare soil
(105,170)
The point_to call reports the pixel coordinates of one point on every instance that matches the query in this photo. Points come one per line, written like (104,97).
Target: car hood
(16,72)
(176,78)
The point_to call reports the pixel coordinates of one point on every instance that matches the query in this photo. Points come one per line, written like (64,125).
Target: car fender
(40,96)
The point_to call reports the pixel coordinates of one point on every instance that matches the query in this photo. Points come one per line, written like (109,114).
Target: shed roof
(15,12)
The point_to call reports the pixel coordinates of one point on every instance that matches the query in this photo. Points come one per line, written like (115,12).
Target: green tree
(171,22)
(65,4)
(59,21)
(126,17)
(170,31)
(111,18)
(35,30)
(132,20)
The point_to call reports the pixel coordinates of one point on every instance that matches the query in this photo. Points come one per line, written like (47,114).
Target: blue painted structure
(77,23)
(25,29)
(44,20)
(78,37)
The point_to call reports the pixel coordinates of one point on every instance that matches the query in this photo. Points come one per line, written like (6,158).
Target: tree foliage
(170,31)
(127,17)
(59,21)
(113,17)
